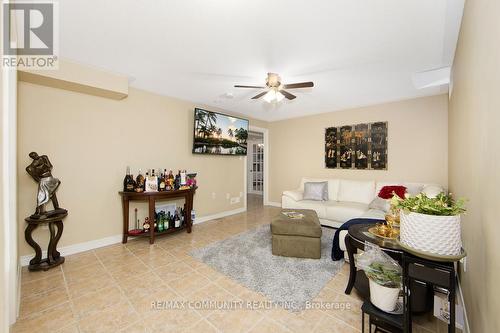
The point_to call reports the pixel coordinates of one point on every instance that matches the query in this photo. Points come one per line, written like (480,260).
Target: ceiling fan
(275,91)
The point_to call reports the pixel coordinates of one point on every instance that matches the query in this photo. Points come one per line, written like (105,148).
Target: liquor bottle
(165,222)
(139,182)
(177,219)
(182,216)
(161,223)
(128,182)
(171,180)
(177,181)
(146,225)
(161,182)
(183,178)
(169,219)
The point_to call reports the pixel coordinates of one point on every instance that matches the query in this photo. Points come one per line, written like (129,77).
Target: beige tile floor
(112,289)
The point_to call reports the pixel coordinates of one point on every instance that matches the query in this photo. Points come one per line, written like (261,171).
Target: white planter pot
(382,297)
(434,234)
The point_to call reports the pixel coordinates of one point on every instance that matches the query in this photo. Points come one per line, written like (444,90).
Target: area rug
(287,282)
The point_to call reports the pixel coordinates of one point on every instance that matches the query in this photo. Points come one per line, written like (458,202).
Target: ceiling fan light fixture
(270,96)
(279,96)
(273,95)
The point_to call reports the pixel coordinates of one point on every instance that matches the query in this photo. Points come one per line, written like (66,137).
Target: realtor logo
(29,34)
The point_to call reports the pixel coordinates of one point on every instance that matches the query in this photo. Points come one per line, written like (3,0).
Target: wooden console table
(151,198)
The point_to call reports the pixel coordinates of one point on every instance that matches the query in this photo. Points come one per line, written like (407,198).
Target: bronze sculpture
(40,170)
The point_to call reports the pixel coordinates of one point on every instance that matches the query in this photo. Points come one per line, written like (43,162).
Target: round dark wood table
(355,240)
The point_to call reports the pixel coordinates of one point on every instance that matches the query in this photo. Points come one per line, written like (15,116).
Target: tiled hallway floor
(112,289)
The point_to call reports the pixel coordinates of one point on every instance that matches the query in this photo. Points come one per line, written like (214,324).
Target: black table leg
(351,250)
(451,300)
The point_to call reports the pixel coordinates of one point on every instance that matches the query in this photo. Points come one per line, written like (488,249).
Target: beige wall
(418,140)
(90,141)
(3,269)
(474,149)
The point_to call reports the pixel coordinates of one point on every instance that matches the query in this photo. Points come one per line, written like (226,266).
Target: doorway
(255,169)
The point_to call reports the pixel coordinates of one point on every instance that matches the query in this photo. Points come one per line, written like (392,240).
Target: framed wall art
(360,146)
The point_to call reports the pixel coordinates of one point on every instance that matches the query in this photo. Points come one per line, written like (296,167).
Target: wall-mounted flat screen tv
(219,134)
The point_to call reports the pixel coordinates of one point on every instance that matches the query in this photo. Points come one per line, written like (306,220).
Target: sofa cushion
(356,191)
(295,194)
(344,211)
(380,204)
(316,191)
(431,191)
(333,186)
(318,206)
(374,214)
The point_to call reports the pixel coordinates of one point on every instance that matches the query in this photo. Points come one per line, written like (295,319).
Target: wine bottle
(128,182)
(171,180)
(177,219)
(177,181)
(161,182)
(146,225)
(161,222)
(183,178)
(139,182)
(169,219)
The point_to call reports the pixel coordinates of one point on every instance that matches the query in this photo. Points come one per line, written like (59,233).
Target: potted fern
(431,225)
(385,284)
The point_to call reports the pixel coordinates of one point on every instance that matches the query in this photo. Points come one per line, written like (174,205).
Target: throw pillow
(386,192)
(380,204)
(316,191)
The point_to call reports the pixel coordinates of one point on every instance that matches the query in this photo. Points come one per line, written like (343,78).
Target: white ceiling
(357,52)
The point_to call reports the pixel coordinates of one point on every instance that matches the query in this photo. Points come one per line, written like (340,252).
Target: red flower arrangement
(387,192)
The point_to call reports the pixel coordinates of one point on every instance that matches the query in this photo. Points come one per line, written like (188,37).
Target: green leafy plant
(442,205)
(385,275)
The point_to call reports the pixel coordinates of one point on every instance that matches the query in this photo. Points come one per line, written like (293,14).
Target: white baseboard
(77,248)
(461,296)
(94,244)
(206,218)
(274,204)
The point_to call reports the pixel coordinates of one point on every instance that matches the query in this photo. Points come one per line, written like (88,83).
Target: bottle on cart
(177,219)
(182,216)
(161,183)
(165,222)
(146,225)
(139,182)
(169,219)
(183,178)
(128,182)
(177,181)
(161,221)
(171,180)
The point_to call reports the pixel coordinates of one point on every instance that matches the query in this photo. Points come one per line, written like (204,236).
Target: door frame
(265,138)
(250,151)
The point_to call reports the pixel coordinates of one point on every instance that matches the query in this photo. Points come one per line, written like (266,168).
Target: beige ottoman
(299,238)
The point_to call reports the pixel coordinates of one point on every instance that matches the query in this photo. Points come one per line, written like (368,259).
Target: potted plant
(385,284)
(431,225)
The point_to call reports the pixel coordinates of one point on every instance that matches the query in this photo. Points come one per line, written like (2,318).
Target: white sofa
(348,199)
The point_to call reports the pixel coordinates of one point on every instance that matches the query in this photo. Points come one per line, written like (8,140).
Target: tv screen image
(219,134)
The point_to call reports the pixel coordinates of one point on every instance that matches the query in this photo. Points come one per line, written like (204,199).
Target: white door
(255,168)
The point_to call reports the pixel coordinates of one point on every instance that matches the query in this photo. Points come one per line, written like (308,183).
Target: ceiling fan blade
(241,86)
(259,95)
(287,94)
(298,85)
